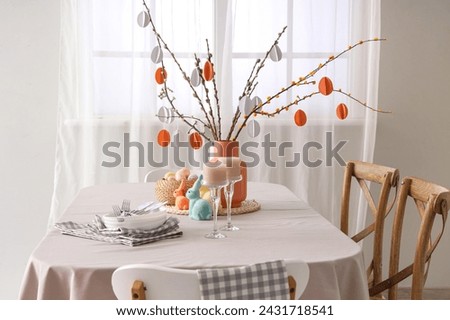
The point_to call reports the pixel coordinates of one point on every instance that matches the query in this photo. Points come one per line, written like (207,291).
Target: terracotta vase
(225,148)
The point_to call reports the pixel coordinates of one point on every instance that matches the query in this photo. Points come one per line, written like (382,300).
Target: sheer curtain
(108,98)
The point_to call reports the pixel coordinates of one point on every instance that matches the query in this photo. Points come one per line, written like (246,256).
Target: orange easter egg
(325,86)
(208,71)
(163,138)
(342,111)
(160,75)
(195,140)
(300,118)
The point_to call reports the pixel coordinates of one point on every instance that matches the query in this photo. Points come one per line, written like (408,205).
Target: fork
(126,206)
(117,211)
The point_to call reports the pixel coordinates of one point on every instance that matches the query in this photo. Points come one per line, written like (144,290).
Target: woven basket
(247,206)
(164,189)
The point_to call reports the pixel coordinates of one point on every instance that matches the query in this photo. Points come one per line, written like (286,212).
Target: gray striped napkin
(130,237)
(262,281)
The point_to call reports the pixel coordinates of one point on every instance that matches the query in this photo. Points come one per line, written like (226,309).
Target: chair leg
(138,290)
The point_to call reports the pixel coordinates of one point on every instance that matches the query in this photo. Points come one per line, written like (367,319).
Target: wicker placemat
(247,206)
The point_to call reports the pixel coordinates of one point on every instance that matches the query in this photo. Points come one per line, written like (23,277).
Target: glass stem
(229,191)
(215,192)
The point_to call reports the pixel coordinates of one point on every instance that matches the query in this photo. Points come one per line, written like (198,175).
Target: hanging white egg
(245,105)
(170,115)
(157,54)
(143,19)
(195,78)
(163,114)
(256,101)
(253,128)
(275,54)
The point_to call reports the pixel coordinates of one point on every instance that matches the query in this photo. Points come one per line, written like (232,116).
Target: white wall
(415,85)
(29,44)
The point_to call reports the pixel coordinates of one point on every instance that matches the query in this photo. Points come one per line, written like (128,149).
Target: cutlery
(126,206)
(116,210)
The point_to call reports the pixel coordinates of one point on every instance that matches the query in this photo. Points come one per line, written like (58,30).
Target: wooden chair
(387,178)
(431,201)
(150,282)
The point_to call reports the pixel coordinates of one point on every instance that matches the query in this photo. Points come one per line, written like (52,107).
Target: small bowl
(146,221)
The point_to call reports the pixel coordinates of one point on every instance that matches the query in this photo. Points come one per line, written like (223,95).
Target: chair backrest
(431,201)
(151,282)
(156,174)
(387,178)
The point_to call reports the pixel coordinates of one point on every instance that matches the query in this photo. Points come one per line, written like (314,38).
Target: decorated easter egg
(300,118)
(195,140)
(160,75)
(275,54)
(325,86)
(208,71)
(341,111)
(163,138)
(181,174)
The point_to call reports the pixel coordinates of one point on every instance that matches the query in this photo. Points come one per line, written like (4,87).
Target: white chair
(156,174)
(151,282)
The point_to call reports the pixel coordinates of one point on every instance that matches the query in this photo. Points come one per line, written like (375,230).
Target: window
(123,73)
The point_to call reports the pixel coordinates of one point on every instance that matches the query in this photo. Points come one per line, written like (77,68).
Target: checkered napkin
(263,281)
(130,237)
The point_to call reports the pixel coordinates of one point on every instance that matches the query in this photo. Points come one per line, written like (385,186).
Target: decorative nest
(164,189)
(247,206)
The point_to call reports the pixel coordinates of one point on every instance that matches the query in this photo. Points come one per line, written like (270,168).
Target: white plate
(144,221)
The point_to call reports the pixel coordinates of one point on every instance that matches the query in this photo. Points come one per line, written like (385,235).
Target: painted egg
(275,54)
(208,71)
(195,78)
(157,54)
(160,75)
(341,111)
(170,116)
(143,19)
(195,140)
(253,128)
(181,174)
(163,113)
(256,101)
(245,105)
(300,118)
(325,86)
(163,138)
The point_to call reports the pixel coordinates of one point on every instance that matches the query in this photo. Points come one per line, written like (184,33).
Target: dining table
(285,227)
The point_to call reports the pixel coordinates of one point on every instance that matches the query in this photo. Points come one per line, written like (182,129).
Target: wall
(415,85)
(29,45)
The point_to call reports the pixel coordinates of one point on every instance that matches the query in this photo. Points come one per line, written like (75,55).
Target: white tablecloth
(66,267)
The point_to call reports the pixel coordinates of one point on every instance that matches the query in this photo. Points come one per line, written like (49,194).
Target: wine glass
(229,191)
(215,179)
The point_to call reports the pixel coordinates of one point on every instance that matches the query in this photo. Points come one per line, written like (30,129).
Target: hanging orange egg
(163,138)
(325,86)
(195,140)
(300,118)
(342,111)
(160,75)
(208,71)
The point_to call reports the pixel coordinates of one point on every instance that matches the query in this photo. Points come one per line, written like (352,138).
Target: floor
(428,294)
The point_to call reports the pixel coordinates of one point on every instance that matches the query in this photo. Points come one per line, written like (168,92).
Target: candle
(214,174)
(233,167)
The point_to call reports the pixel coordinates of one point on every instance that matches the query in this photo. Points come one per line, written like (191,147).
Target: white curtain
(108,98)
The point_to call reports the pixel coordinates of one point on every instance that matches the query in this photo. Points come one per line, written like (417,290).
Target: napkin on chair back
(263,281)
